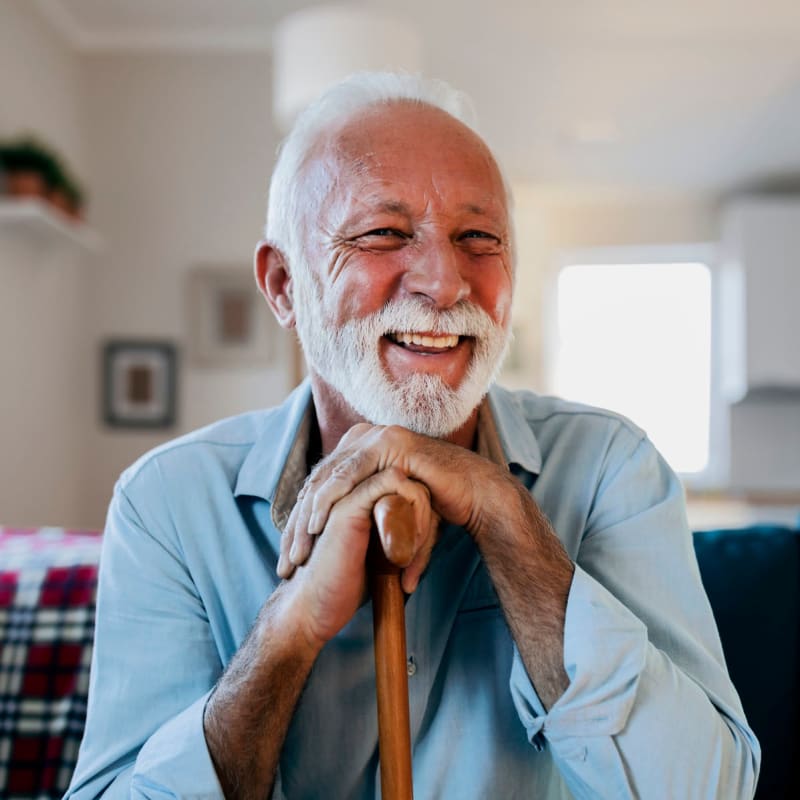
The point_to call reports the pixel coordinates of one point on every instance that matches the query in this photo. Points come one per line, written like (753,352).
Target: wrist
(291,631)
(503,512)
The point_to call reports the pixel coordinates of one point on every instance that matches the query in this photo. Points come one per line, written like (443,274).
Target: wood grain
(395,521)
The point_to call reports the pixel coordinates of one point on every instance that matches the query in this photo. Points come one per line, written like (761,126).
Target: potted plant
(65,193)
(29,168)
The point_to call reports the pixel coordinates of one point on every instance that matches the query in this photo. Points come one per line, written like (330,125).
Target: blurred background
(654,154)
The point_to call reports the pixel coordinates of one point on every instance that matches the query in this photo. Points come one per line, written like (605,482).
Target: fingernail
(293,552)
(314,523)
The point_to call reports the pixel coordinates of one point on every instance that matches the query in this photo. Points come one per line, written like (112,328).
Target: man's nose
(436,274)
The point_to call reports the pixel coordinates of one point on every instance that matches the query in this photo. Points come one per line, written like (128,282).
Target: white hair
(286,218)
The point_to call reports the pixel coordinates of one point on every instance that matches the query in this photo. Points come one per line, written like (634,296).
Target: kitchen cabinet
(759,295)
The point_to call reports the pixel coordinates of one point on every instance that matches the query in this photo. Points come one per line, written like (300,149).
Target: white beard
(348,359)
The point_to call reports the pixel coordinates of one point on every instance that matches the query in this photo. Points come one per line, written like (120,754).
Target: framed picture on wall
(139,384)
(230,325)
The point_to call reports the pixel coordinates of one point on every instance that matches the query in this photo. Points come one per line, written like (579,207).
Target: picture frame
(229,322)
(139,383)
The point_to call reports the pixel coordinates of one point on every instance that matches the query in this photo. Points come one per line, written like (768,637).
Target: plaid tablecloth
(47,597)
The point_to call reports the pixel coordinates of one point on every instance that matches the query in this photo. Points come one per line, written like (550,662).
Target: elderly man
(560,643)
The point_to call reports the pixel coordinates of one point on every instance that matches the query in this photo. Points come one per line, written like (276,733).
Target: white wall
(45,393)
(549,223)
(182,147)
(176,151)
(39,83)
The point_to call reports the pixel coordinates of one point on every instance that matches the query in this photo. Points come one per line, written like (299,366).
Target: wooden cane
(395,521)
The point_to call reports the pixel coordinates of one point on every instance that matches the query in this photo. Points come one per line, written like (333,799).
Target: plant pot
(25,183)
(59,199)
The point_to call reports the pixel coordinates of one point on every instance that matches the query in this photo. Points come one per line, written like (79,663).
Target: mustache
(408,315)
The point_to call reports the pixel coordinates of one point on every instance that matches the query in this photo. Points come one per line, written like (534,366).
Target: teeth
(445,341)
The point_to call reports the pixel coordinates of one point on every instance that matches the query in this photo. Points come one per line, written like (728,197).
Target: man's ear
(275,282)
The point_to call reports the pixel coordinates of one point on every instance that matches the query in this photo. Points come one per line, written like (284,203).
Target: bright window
(636,338)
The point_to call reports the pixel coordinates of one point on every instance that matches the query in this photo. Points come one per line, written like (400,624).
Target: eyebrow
(399,207)
(383,207)
(394,207)
(474,209)
(390,206)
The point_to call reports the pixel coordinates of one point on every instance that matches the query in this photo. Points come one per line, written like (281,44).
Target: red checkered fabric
(48,580)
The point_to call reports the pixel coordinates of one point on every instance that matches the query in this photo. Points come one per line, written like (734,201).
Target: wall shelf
(36,221)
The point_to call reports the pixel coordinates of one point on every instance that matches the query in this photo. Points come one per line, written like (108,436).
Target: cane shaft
(393,516)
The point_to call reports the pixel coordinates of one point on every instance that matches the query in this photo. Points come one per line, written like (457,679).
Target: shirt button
(411,667)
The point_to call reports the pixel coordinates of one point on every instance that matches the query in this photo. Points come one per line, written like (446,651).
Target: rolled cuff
(175,762)
(605,648)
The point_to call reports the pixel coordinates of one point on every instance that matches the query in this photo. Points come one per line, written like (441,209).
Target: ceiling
(690,95)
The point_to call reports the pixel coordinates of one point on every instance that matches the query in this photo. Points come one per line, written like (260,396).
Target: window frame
(715,474)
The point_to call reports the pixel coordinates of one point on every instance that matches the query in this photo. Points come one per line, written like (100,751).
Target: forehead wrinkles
(452,189)
(369,151)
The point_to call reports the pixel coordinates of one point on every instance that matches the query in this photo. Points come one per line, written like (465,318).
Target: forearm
(532,574)
(624,694)
(248,714)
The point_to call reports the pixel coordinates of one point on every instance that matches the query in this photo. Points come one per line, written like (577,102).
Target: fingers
(296,544)
(366,451)
(351,519)
(353,514)
(333,484)
(427,538)
(363,451)
(452,473)
(285,566)
(297,538)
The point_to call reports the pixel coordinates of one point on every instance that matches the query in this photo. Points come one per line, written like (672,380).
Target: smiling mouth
(424,342)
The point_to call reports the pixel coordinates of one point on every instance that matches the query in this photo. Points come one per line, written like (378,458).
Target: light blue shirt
(189,558)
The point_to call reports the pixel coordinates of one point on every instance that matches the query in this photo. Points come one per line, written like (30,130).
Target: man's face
(403,306)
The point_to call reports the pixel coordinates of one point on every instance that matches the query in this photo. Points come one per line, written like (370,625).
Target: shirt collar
(276,465)
(514,430)
(279,437)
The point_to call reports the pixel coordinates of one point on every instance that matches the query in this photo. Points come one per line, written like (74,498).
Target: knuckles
(395,474)
(357,432)
(343,468)
(394,434)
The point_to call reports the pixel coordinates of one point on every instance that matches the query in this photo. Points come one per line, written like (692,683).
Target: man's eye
(480,243)
(380,239)
(385,232)
(479,235)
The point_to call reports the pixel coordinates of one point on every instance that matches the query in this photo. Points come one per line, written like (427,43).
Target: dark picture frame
(139,383)
(230,326)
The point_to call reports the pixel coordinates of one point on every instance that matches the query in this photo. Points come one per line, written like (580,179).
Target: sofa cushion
(751,576)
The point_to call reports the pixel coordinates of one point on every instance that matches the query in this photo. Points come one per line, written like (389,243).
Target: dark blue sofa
(751,576)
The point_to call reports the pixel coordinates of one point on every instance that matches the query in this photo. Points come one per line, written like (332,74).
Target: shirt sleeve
(153,666)
(650,710)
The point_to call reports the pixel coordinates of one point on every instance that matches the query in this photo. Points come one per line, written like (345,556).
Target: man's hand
(463,487)
(526,562)
(328,588)
(255,698)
